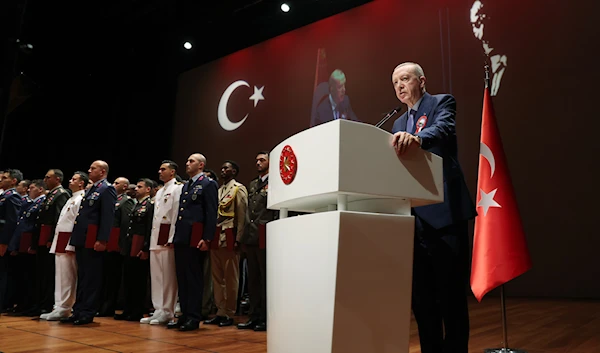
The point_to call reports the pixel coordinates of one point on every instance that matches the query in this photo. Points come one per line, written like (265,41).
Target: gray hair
(417,69)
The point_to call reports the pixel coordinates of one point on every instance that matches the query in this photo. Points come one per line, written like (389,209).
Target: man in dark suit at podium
(441,253)
(92,228)
(335,105)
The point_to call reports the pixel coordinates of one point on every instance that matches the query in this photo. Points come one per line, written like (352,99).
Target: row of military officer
(174,230)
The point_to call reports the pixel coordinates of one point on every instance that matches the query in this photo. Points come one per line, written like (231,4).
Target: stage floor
(535,325)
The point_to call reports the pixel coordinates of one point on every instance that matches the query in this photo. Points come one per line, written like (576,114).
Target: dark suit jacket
(198,204)
(50,211)
(27,221)
(97,207)
(325,112)
(10,203)
(439,137)
(140,223)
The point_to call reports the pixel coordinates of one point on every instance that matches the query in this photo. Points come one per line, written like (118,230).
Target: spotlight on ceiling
(285,7)
(187,45)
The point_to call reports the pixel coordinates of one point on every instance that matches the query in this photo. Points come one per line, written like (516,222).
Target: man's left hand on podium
(403,141)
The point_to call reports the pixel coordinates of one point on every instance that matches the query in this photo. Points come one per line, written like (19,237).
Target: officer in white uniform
(65,278)
(163,280)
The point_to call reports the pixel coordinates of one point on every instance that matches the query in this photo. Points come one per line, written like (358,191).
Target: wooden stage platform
(535,325)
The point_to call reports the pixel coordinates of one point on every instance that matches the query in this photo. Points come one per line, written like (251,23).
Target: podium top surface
(308,170)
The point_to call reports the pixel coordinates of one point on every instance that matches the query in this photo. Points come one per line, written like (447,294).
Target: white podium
(339,279)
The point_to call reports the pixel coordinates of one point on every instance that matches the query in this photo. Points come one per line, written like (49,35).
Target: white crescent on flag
(487,153)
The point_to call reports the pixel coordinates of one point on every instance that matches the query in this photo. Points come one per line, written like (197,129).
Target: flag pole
(505,346)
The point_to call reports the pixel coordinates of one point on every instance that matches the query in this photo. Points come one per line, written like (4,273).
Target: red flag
(499,247)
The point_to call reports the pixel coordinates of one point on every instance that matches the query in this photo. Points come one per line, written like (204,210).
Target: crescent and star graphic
(487,199)
(224,121)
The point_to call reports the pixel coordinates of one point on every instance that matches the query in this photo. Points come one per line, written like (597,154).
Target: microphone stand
(388,116)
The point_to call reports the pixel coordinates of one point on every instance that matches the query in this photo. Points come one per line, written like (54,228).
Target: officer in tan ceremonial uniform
(233,202)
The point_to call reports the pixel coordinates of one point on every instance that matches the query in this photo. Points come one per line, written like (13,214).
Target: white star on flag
(487,201)
(257,96)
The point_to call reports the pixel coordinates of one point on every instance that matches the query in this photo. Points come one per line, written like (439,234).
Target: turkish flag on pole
(499,248)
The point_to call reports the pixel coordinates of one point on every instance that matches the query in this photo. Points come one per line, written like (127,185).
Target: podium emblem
(288,165)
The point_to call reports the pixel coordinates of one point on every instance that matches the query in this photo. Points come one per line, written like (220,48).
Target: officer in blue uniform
(197,213)
(96,214)
(23,263)
(10,203)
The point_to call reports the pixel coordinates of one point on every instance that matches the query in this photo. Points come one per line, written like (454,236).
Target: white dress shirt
(66,220)
(166,209)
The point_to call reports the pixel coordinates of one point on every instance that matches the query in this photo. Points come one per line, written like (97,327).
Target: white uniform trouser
(65,281)
(163,281)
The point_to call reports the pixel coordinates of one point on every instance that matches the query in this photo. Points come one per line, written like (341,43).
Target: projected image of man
(336,105)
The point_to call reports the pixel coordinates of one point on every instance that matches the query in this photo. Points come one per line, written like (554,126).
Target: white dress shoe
(155,315)
(161,319)
(57,315)
(146,320)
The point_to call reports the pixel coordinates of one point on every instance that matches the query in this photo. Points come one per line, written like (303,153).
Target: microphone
(388,116)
